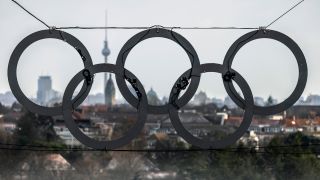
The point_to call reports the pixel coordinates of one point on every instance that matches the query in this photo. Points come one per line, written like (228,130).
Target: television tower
(106,53)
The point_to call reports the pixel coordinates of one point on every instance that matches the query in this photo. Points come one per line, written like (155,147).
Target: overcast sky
(268,66)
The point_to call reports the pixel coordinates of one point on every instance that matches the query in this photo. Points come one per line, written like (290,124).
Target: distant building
(99,130)
(165,100)
(259,101)
(313,100)
(303,111)
(229,103)
(218,102)
(45,92)
(7,98)
(153,98)
(93,99)
(196,124)
(271,101)
(110,92)
(201,98)
(300,101)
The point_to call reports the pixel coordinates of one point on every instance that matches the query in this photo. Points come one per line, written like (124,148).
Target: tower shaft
(109,91)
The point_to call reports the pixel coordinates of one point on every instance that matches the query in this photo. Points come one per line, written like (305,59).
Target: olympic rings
(13,63)
(180,40)
(175,102)
(302,64)
(205,144)
(73,127)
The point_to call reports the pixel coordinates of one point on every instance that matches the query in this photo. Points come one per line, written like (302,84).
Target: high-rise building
(109,90)
(45,92)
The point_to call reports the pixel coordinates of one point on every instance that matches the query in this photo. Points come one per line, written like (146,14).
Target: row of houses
(200,125)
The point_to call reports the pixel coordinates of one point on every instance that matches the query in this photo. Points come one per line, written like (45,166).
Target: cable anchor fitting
(158,27)
(263,28)
(87,76)
(228,76)
(182,84)
(52,28)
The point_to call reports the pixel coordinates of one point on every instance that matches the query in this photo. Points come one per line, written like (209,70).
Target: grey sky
(268,66)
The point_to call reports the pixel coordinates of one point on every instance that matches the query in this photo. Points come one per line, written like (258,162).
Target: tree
(127,165)
(34,129)
(270,101)
(303,165)
(31,129)
(3,109)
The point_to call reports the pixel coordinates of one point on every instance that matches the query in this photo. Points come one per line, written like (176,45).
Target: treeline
(294,156)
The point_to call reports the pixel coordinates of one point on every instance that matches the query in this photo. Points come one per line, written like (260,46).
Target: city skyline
(62,62)
(51,96)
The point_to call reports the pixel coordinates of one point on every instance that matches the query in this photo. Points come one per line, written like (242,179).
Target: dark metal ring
(229,140)
(13,63)
(295,49)
(140,102)
(73,127)
(164,33)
